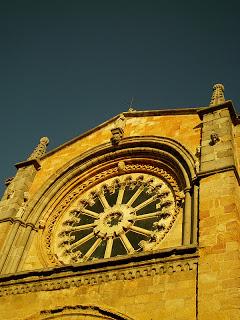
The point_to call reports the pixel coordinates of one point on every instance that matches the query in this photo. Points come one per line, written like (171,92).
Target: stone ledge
(121,268)
(204,174)
(34,162)
(127,114)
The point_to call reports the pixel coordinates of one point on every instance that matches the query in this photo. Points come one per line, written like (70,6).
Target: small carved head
(121,166)
(214,138)
(198,151)
(25,196)
(41,224)
(117,134)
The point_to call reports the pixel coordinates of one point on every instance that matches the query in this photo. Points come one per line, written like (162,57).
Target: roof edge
(127,114)
(227,104)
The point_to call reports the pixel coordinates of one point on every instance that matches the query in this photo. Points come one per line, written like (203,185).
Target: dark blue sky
(66,66)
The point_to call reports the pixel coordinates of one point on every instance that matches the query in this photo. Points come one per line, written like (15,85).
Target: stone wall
(162,288)
(183,128)
(199,280)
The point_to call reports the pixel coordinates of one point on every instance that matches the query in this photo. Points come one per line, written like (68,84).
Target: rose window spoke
(141,230)
(81,241)
(134,197)
(108,250)
(120,194)
(83,227)
(103,200)
(145,203)
(126,243)
(92,249)
(148,215)
(90,213)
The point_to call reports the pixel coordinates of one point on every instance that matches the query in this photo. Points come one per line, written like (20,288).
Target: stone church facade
(136,219)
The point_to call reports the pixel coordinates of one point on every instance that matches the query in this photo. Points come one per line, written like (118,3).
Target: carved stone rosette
(112,214)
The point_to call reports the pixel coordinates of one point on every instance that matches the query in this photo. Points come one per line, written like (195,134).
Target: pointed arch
(168,152)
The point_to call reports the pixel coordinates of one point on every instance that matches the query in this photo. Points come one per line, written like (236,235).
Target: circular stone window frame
(168,151)
(87,180)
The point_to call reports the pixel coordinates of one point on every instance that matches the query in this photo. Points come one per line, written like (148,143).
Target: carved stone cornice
(181,259)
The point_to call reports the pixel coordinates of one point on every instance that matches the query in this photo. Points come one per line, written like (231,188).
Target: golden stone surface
(191,273)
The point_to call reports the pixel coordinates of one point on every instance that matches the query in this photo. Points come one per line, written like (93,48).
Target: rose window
(120,216)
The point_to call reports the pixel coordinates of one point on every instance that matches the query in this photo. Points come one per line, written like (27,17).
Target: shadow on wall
(79,312)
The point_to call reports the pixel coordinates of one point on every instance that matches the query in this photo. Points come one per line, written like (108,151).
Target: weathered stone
(179,262)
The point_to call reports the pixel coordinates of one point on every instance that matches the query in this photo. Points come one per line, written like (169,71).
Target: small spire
(218,95)
(40,150)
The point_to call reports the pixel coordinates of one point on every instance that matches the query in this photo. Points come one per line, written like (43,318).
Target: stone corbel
(118,130)
(117,134)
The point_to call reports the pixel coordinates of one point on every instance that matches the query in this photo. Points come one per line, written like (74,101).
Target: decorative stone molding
(117,134)
(118,130)
(20,222)
(95,273)
(171,155)
(117,217)
(69,200)
(159,147)
(121,166)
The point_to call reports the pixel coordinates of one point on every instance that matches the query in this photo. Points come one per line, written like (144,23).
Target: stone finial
(40,150)
(218,95)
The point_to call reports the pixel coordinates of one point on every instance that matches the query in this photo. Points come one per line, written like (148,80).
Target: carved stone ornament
(118,130)
(75,278)
(217,95)
(214,139)
(121,166)
(117,134)
(40,150)
(120,215)
(198,152)
(131,109)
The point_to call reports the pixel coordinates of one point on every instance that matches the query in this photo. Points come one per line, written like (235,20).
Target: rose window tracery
(121,215)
